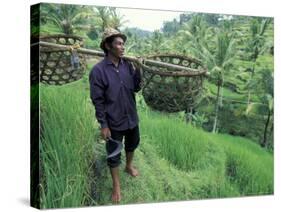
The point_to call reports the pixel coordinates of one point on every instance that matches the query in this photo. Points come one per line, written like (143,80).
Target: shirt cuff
(104,125)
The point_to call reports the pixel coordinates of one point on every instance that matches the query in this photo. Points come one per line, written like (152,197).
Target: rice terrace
(205,108)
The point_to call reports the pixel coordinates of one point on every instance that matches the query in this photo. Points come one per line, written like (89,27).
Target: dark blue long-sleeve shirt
(112,92)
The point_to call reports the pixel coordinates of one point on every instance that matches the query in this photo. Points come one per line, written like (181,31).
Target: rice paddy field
(176,160)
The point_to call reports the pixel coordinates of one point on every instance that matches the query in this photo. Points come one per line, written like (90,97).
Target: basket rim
(184,57)
(60,35)
(191,73)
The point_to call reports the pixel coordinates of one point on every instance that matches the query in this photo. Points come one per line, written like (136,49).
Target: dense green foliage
(177,160)
(238,51)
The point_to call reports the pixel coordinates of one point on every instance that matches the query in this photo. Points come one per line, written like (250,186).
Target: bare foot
(132,171)
(116,195)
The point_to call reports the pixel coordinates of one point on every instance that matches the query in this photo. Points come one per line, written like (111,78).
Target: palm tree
(134,43)
(215,47)
(103,14)
(219,61)
(108,17)
(67,18)
(266,95)
(117,20)
(270,109)
(264,84)
(256,46)
(194,35)
(157,43)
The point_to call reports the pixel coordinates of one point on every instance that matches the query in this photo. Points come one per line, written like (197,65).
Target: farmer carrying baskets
(113,83)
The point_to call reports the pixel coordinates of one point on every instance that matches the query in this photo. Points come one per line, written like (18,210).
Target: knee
(130,147)
(114,161)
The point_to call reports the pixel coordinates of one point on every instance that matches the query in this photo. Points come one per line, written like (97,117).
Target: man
(113,83)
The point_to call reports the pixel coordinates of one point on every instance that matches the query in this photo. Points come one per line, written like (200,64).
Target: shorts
(132,139)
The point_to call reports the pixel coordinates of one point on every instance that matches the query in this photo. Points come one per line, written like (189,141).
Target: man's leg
(116,194)
(129,166)
(132,138)
(113,164)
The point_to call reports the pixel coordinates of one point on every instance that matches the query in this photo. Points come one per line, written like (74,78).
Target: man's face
(117,48)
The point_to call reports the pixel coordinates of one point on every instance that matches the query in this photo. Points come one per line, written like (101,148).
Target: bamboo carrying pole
(178,70)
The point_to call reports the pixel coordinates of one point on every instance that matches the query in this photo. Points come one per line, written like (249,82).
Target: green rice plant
(176,160)
(34,137)
(249,166)
(180,143)
(222,165)
(66,146)
(188,149)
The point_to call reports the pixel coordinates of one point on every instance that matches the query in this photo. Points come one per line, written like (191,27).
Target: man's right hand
(105,133)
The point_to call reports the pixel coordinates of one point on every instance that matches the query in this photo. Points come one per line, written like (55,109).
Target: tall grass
(191,151)
(34,153)
(249,166)
(225,165)
(179,143)
(66,146)
(184,162)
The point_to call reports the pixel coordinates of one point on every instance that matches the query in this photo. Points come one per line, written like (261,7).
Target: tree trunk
(220,97)
(217,109)
(272,133)
(188,115)
(249,97)
(264,142)
(249,89)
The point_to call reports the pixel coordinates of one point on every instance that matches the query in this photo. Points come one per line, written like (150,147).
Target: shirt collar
(109,62)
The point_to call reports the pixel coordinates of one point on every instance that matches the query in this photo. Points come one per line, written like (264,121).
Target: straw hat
(108,32)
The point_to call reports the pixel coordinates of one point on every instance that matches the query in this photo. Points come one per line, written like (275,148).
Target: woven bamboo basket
(173,91)
(60,66)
